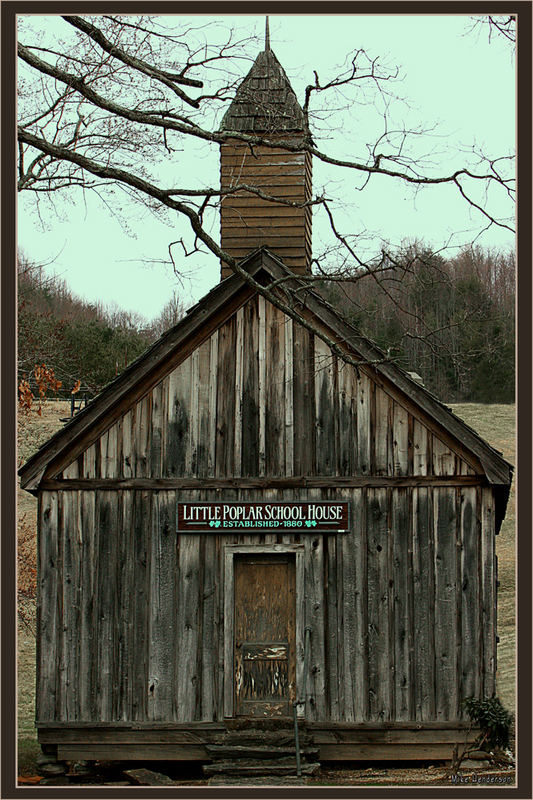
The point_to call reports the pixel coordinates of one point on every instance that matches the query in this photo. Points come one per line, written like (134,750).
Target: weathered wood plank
(373,752)
(228,621)
(158,425)
(126,590)
(149,732)
(333,628)
(187,627)
(315,618)
(488,590)
(381,443)
(178,451)
(470,666)
(347,419)
(271,482)
(128,460)
(106,602)
(401,568)
(410,445)
(379,644)
(444,459)
(261,318)
(131,752)
(325,406)
(71,534)
(142,437)
(210,632)
(274,391)
(109,453)
(203,460)
(72,471)
(89,462)
(213,389)
(465,469)
(47,610)
(400,442)
(62,621)
(163,580)
(363,424)
(304,397)
(239,370)
(250,390)
(87,655)
(354,612)
(191,465)
(391,733)
(423,605)
(420,448)
(141,603)
(445,603)
(226,399)
(289,397)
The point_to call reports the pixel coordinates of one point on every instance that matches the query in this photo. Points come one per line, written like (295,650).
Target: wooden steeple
(266,105)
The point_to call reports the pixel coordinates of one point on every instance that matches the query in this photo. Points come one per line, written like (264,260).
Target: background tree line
(449,320)
(81,342)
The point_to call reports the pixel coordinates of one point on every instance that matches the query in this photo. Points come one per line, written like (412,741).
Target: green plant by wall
(493,720)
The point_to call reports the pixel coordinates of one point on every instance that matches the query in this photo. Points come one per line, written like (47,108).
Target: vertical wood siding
(401,609)
(131,615)
(261,397)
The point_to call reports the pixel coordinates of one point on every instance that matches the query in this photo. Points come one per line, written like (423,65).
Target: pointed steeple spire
(265,100)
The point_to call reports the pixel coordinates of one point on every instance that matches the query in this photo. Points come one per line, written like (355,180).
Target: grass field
(496,423)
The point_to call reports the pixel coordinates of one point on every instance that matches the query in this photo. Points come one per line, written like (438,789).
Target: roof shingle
(265,101)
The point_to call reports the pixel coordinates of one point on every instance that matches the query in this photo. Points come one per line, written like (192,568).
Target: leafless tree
(106,105)
(172,312)
(500,25)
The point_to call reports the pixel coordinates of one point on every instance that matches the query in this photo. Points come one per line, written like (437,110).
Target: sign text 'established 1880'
(306,517)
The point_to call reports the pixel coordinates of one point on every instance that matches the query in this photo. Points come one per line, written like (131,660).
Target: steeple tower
(266,105)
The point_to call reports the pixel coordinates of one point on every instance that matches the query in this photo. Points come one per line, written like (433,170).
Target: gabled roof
(265,101)
(263,265)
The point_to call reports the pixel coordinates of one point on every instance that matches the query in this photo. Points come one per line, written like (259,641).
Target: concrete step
(247,767)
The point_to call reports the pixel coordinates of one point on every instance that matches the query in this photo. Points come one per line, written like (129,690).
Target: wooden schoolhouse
(243,531)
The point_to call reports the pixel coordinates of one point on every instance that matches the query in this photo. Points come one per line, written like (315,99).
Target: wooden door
(264,638)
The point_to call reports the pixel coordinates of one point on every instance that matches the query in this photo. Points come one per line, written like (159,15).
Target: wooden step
(257,780)
(264,738)
(230,751)
(245,767)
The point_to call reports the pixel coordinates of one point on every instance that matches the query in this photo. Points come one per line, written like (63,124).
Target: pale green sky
(451,79)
